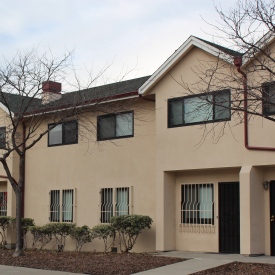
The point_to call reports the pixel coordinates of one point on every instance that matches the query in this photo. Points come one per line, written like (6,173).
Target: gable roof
(16,103)
(192,41)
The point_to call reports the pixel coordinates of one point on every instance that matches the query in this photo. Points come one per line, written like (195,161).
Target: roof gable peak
(192,41)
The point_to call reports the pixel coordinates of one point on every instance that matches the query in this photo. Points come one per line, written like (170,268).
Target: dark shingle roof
(17,102)
(221,48)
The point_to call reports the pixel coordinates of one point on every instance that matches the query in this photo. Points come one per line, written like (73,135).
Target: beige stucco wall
(89,166)
(155,163)
(205,236)
(182,150)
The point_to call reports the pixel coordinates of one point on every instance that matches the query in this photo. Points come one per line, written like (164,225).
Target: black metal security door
(229,217)
(272,217)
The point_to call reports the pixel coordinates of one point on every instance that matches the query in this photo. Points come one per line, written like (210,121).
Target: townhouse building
(185,158)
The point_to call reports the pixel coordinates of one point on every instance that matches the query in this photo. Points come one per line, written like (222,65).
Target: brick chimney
(51,91)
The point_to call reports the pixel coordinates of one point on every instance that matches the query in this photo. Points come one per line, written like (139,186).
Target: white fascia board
(175,57)
(265,40)
(5,109)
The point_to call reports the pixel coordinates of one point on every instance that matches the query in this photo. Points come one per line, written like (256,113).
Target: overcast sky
(129,34)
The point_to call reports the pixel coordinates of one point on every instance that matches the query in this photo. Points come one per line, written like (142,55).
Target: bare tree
(30,96)
(246,66)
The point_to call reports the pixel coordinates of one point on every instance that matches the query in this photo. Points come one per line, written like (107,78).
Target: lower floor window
(197,203)
(61,202)
(3,203)
(114,202)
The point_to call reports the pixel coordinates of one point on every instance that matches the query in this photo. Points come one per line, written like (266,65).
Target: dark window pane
(106,126)
(222,108)
(2,137)
(55,206)
(70,132)
(3,203)
(269,98)
(106,204)
(176,112)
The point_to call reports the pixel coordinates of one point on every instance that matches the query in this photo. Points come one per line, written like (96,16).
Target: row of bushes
(126,227)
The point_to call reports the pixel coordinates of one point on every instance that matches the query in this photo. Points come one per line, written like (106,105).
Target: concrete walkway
(200,261)
(197,262)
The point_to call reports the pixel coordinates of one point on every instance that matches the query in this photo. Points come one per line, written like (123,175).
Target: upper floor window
(2,137)
(198,109)
(268,90)
(65,133)
(114,126)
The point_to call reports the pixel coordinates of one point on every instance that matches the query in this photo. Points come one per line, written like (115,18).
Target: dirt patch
(237,268)
(87,263)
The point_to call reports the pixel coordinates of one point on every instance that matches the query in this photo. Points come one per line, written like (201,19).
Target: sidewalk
(197,261)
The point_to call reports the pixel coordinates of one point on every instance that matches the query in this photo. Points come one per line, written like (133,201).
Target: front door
(229,217)
(272,217)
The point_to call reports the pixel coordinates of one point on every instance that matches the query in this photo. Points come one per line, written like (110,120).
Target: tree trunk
(19,234)
(19,209)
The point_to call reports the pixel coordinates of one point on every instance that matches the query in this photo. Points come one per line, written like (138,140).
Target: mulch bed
(238,268)
(87,263)
(117,263)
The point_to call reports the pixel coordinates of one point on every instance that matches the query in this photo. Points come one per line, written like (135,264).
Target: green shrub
(41,236)
(60,231)
(4,224)
(105,232)
(26,223)
(128,228)
(82,235)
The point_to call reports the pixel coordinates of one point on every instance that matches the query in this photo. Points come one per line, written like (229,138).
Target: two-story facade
(154,157)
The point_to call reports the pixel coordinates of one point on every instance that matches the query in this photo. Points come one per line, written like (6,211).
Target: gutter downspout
(24,170)
(238,64)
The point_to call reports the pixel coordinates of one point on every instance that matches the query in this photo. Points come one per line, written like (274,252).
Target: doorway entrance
(229,217)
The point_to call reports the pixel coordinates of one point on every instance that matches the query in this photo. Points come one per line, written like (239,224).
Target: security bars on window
(65,208)
(114,202)
(197,204)
(3,203)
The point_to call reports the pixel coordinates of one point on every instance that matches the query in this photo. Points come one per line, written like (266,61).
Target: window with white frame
(64,133)
(113,126)
(114,202)
(197,203)
(3,203)
(196,109)
(61,205)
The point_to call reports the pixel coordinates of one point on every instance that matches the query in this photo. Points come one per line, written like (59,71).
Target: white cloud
(127,31)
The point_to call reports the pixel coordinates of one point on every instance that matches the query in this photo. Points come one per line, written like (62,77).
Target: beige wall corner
(252,229)
(165,223)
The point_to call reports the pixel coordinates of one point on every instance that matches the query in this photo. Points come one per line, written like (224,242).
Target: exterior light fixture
(265,185)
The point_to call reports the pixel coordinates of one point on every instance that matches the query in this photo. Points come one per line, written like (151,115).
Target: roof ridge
(222,48)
